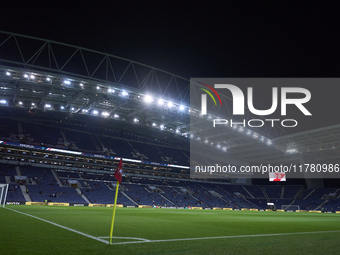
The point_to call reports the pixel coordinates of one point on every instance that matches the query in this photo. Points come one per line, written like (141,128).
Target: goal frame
(290,207)
(3,195)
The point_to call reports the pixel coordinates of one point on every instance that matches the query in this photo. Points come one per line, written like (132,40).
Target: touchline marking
(120,237)
(226,237)
(60,226)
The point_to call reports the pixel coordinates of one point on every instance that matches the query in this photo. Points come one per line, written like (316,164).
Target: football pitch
(85,230)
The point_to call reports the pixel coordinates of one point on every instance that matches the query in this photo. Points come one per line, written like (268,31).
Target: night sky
(234,39)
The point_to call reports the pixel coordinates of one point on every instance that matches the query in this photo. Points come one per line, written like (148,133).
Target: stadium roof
(42,76)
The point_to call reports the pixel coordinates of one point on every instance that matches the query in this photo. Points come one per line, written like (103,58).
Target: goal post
(290,207)
(3,194)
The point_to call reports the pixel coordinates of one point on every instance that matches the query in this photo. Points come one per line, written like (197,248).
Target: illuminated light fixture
(224,148)
(33,104)
(25,75)
(81,84)
(62,107)
(2,101)
(32,76)
(218,146)
(48,106)
(262,138)
(206,141)
(111,90)
(67,82)
(161,127)
(98,87)
(177,131)
(20,103)
(181,107)
(192,135)
(234,126)
(269,142)
(116,116)
(72,108)
(248,132)
(124,93)
(154,124)
(95,112)
(135,120)
(170,104)
(105,114)
(84,110)
(148,99)
(240,129)
(291,151)
(8,73)
(255,135)
(160,101)
(48,79)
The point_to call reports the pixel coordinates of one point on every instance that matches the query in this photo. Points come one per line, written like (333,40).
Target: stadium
(69,114)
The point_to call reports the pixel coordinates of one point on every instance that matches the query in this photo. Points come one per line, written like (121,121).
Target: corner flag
(118,176)
(119,171)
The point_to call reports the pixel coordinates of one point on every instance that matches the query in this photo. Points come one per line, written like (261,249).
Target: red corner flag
(119,171)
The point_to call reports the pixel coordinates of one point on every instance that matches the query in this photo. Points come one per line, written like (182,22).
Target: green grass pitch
(165,231)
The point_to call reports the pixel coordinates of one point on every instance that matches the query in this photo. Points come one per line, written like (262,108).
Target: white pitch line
(120,237)
(60,226)
(226,237)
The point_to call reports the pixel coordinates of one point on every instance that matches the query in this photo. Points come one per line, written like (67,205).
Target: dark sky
(233,39)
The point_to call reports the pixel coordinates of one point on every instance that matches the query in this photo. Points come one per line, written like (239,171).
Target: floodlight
(160,101)
(148,99)
(291,151)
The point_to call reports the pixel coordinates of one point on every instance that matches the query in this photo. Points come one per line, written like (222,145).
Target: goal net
(3,194)
(291,207)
